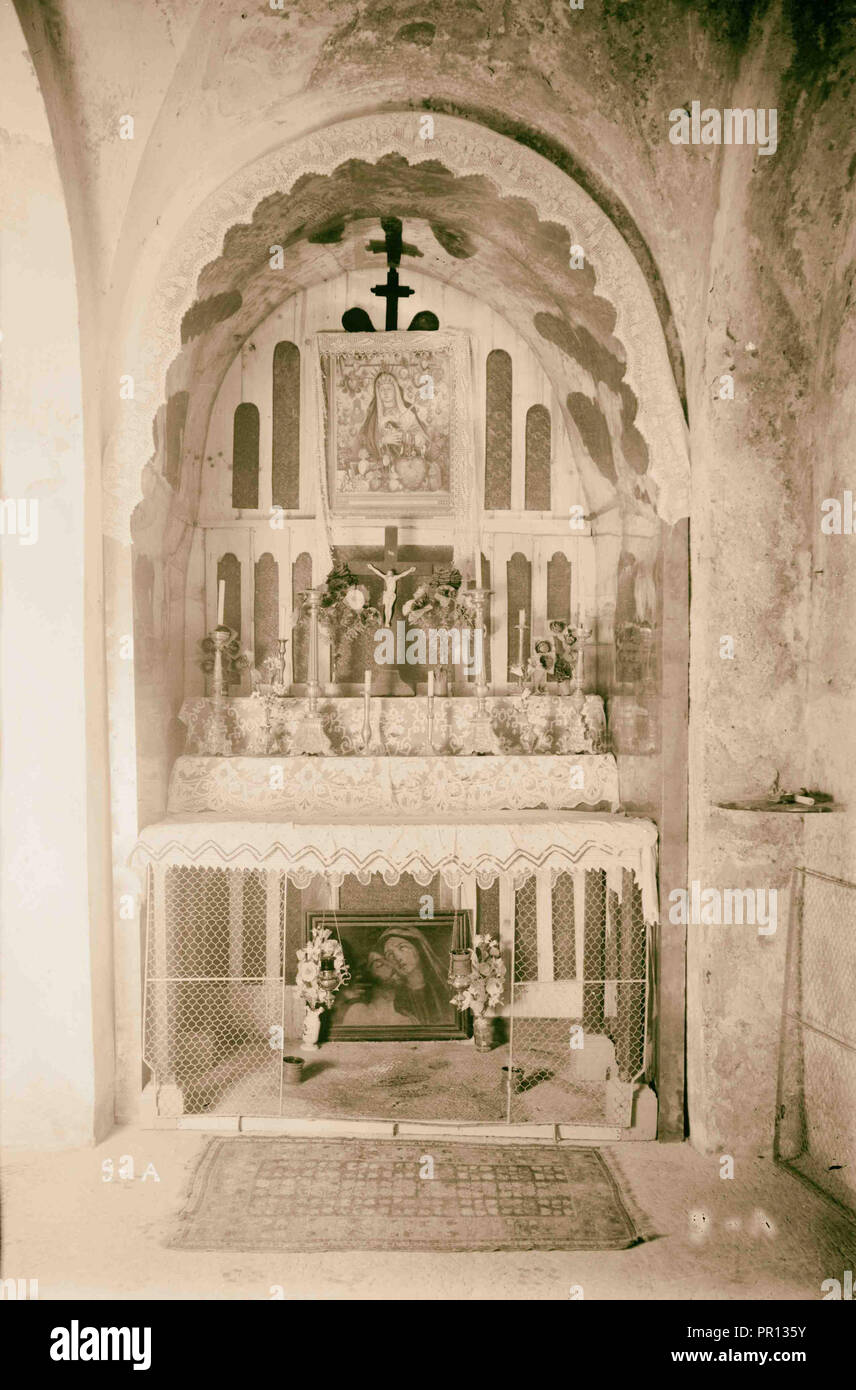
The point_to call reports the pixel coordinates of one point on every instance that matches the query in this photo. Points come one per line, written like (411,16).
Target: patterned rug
(356,1194)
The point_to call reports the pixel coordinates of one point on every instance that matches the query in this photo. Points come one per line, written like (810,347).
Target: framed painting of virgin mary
(399,966)
(391,410)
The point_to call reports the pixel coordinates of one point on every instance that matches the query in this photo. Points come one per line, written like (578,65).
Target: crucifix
(388,681)
(394,248)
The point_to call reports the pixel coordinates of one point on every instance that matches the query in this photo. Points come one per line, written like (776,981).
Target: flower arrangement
(486,985)
(345,611)
(234,660)
(555,653)
(321,955)
(440,602)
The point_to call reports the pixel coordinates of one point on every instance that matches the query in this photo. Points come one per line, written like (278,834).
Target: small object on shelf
(804,802)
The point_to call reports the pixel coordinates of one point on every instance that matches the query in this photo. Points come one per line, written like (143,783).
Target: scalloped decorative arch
(165,283)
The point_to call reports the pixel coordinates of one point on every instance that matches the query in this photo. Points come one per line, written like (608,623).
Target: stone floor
(424,1080)
(761,1235)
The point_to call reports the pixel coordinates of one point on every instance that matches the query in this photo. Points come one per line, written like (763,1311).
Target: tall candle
(282,623)
(221,602)
(521,624)
(430,685)
(367,681)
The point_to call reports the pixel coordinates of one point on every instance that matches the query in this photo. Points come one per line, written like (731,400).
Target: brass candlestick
(480,738)
(279,685)
(581,635)
(309,736)
(220,647)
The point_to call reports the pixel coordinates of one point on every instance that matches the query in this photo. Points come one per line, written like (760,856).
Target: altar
(571,897)
(394,834)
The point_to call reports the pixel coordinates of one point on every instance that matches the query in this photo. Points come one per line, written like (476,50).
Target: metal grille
(578,1015)
(219,1008)
(816,1113)
(214,990)
(525,932)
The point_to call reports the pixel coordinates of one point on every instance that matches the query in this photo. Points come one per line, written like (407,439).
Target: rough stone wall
(774,314)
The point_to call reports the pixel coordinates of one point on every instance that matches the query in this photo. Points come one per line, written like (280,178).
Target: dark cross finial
(392,292)
(392,243)
(394,248)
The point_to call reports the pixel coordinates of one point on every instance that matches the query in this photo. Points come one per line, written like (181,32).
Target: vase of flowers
(483,989)
(440,604)
(321,970)
(345,612)
(556,656)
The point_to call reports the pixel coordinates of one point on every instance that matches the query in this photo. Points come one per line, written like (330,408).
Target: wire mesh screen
(816,1109)
(214,990)
(579,994)
(220,1008)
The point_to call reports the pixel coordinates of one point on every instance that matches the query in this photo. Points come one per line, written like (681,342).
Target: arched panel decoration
(266,608)
(301,578)
(519,590)
(538,489)
(286,426)
(559,587)
(229,569)
(497,449)
(245,457)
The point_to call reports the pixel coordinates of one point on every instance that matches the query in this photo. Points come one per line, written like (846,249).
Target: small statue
(390,580)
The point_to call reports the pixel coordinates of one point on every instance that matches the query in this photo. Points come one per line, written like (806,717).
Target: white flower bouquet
(320,955)
(486,985)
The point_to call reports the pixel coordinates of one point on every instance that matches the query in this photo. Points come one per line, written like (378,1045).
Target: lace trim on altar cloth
(478,852)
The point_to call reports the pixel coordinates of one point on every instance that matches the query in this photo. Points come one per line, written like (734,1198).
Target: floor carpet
(305,1195)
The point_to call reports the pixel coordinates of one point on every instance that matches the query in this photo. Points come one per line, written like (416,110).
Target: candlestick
(480,737)
(282,643)
(309,736)
(521,628)
(221,602)
(366,743)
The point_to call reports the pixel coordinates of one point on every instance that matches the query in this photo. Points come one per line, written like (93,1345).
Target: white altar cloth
(543,724)
(445,785)
(518,843)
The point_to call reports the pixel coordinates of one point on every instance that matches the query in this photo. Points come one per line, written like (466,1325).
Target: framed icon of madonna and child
(391,410)
(399,968)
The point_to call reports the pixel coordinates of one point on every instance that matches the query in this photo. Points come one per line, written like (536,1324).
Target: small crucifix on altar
(389,678)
